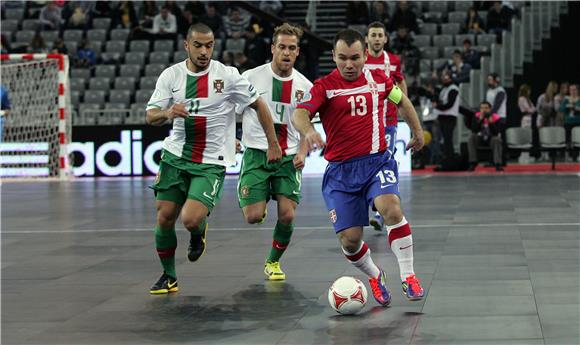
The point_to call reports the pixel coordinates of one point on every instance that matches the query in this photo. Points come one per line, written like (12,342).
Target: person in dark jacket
(485,130)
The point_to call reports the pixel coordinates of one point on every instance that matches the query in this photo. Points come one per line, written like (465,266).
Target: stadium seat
(116,47)
(80,73)
(100,83)
(163,46)
(462,6)
(442,40)
(139,46)
(78,84)
(73,35)
(111,58)
(553,139)
(49,37)
(159,57)
(519,138)
(9,25)
(125,83)
(422,41)
(437,63)
(425,66)
(137,58)
(429,52)
(433,17)
(105,71)
(486,40)
(102,23)
(30,24)
(450,28)
(71,46)
(120,34)
(235,44)
(137,114)
(143,96)
(148,83)
(97,35)
(13,14)
(448,51)
(111,117)
(457,17)
(179,56)
(120,96)
(428,29)
(75,97)
(130,71)
(95,97)
(438,6)
(86,116)
(24,36)
(462,37)
(154,70)
(575,140)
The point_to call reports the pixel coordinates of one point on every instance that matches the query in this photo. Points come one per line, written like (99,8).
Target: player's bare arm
(408,111)
(300,157)
(274,151)
(158,117)
(403,86)
(301,121)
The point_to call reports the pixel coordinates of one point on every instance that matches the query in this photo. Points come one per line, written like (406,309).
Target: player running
(199,95)
(282,87)
(377,38)
(361,171)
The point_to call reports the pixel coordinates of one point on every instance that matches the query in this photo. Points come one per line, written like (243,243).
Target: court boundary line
(263,228)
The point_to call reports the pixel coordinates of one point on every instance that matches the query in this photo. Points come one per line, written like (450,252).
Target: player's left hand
(238,146)
(417,142)
(299,160)
(274,153)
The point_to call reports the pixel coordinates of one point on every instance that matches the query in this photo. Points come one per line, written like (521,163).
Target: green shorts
(260,180)
(179,180)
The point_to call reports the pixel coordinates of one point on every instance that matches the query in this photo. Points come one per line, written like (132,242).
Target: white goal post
(37,127)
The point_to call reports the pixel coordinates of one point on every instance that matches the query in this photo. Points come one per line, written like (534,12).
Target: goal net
(37,127)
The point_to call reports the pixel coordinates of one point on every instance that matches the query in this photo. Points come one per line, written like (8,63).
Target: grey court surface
(498,257)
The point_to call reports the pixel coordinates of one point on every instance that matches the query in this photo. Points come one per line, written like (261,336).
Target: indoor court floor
(498,256)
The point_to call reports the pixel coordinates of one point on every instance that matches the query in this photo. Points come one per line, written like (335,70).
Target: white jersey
(208,134)
(282,95)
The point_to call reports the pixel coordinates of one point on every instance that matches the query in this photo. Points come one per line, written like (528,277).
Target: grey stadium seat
(442,40)
(14,13)
(116,47)
(519,138)
(139,46)
(235,44)
(130,71)
(179,56)
(105,71)
(448,51)
(77,84)
(120,96)
(102,23)
(425,66)
(429,52)
(148,83)
(95,97)
(462,6)
(85,115)
(439,62)
(575,137)
(120,34)
(71,46)
(112,117)
(462,37)
(137,58)
(73,35)
(97,35)
(80,73)
(159,57)
(100,83)
(137,114)
(49,37)
(553,139)
(438,6)
(457,17)
(486,40)
(428,29)
(450,28)
(125,83)
(154,69)
(163,46)
(143,96)
(422,40)
(9,25)
(75,97)
(30,24)
(24,36)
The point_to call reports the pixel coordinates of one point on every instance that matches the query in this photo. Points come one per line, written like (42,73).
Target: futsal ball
(347,295)
(427,137)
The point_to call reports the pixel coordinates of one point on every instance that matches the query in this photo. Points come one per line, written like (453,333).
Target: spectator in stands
(545,105)
(498,19)
(357,13)
(5,108)
(458,69)
(256,46)
(102,9)
(404,16)
(473,23)
(85,56)
(80,17)
(227,58)
(50,17)
(274,7)
(570,107)
(526,106)
(197,9)
(427,95)
(37,45)
(485,130)
(235,24)
(213,20)
(470,55)
(4,45)
(148,11)
(164,25)
(402,45)
(447,111)
(242,62)
(179,14)
(380,13)
(124,16)
(496,96)
(558,99)
(59,47)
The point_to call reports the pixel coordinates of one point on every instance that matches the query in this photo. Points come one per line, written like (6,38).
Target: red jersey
(391,64)
(351,112)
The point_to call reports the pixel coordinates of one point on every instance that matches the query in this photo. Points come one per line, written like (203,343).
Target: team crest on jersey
(218,86)
(299,94)
(374,88)
(245,191)
(332,215)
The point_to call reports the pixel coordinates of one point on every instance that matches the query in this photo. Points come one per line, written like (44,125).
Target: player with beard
(199,95)
(281,87)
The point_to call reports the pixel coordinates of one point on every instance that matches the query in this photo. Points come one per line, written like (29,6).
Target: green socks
(282,234)
(166,242)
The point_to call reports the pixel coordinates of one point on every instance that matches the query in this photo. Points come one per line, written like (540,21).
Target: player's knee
(351,242)
(393,215)
(165,219)
(253,217)
(286,217)
(192,222)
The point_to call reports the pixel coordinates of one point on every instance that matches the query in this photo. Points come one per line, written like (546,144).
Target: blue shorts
(350,187)
(391,137)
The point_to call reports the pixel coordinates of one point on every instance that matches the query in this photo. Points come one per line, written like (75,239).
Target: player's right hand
(314,141)
(274,153)
(177,110)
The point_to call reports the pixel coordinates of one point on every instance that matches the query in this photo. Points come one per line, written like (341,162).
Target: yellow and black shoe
(196,245)
(273,271)
(165,284)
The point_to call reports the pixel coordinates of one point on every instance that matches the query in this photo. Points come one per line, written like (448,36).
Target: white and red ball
(347,295)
